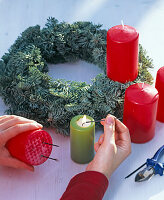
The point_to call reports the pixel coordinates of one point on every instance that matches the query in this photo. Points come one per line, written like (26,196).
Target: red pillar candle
(160,87)
(30,147)
(140,109)
(122,53)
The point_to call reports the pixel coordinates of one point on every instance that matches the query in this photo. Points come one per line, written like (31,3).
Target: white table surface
(50,179)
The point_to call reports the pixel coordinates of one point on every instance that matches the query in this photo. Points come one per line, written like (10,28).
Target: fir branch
(30,92)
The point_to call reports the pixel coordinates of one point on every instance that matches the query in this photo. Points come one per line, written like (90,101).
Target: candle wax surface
(160,75)
(29,146)
(142,93)
(123,33)
(140,109)
(82,139)
(122,53)
(160,87)
(83,125)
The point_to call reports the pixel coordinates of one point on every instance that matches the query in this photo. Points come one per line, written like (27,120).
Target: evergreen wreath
(29,91)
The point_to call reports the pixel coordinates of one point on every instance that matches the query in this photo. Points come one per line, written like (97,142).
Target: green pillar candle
(82,139)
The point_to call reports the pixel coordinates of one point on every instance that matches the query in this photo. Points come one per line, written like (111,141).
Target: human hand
(10,126)
(112,148)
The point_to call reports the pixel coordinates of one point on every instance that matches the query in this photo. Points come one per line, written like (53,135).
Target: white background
(50,179)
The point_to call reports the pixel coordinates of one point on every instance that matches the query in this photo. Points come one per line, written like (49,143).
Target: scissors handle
(158,153)
(154,162)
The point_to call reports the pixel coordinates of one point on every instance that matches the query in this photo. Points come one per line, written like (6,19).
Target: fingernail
(109,120)
(39,125)
(101,140)
(31,169)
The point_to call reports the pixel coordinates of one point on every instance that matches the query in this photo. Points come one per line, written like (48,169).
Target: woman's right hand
(112,148)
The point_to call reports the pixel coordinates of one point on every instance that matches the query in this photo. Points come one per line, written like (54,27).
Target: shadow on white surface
(79,71)
(86,9)
(17,16)
(3,107)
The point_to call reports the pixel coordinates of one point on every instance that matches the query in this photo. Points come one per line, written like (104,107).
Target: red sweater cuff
(89,185)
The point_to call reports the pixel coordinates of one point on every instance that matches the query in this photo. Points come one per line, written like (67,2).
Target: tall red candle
(30,147)
(140,109)
(160,87)
(122,53)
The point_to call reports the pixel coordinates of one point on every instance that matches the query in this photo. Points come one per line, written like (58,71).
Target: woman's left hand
(10,126)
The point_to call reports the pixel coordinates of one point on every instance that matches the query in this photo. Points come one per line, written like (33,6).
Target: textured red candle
(160,87)
(122,53)
(140,109)
(29,147)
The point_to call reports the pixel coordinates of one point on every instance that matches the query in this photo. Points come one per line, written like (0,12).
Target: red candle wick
(122,23)
(142,87)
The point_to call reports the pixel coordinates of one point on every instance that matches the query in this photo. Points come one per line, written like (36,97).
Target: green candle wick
(81,123)
(94,121)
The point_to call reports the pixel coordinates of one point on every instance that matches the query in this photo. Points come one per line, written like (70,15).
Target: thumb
(15,163)
(109,130)
(102,122)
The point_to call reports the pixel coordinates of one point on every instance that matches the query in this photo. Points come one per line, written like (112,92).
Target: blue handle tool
(154,166)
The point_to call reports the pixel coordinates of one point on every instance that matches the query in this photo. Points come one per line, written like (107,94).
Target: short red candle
(30,146)
(140,109)
(160,87)
(122,53)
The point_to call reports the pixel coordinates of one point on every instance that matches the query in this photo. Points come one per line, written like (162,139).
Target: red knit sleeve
(89,185)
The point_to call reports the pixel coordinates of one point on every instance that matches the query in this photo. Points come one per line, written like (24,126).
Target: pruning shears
(153,167)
